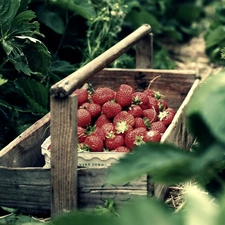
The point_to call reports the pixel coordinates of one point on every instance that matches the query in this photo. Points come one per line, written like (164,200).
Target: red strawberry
(111,109)
(158,125)
(135,110)
(135,137)
(124,95)
(102,95)
(152,136)
(150,114)
(102,119)
(94,109)
(142,122)
(149,92)
(140,98)
(162,105)
(121,149)
(81,136)
(167,116)
(122,127)
(124,116)
(94,143)
(108,129)
(83,118)
(84,105)
(82,95)
(98,131)
(114,141)
(153,103)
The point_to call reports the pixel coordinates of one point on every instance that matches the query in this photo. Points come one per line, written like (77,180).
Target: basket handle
(73,81)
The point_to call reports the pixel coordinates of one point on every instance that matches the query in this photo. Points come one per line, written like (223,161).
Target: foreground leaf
(165,163)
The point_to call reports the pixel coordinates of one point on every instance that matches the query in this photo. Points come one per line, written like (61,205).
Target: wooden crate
(25,185)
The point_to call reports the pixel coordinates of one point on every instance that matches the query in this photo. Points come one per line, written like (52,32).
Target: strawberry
(135,137)
(162,104)
(158,125)
(150,114)
(149,92)
(98,131)
(142,122)
(152,136)
(94,143)
(121,149)
(102,119)
(166,116)
(83,118)
(140,98)
(94,109)
(111,109)
(124,95)
(84,105)
(81,136)
(153,103)
(102,95)
(82,95)
(122,127)
(135,110)
(108,129)
(114,141)
(124,116)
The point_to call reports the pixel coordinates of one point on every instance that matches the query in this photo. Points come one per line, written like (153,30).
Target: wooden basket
(25,185)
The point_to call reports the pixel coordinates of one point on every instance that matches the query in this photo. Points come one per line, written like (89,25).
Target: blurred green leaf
(166,164)
(205,112)
(215,36)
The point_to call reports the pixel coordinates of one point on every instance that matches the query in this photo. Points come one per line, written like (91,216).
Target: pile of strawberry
(118,121)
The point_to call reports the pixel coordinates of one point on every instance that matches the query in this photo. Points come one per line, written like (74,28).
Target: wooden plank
(173,84)
(144,52)
(63,154)
(28,189)
(178,135)
(25,150)
(82,75)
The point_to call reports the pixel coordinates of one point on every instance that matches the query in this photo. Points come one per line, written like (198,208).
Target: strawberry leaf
(205,111)
(165,163)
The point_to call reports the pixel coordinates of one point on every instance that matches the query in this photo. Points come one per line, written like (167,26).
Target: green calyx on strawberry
(166,116)
(135,137)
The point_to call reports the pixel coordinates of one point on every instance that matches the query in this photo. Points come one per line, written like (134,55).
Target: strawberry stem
(151,81)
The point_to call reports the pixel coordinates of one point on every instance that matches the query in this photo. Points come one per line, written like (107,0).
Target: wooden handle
(67,85)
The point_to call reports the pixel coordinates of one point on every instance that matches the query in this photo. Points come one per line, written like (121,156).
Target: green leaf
(36,94)
(215,36)
(29,55)
(165,163)
(205,111)
(51,19)
(8,10)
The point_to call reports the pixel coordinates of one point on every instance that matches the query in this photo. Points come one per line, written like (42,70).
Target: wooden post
(63,154)
(144,52)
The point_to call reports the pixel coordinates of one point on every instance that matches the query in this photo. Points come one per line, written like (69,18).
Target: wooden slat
(63,154)
(178,135)
(28,189)
(25,150)
(79,77)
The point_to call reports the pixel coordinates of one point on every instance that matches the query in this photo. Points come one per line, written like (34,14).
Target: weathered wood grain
(63,154)
(28,189)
